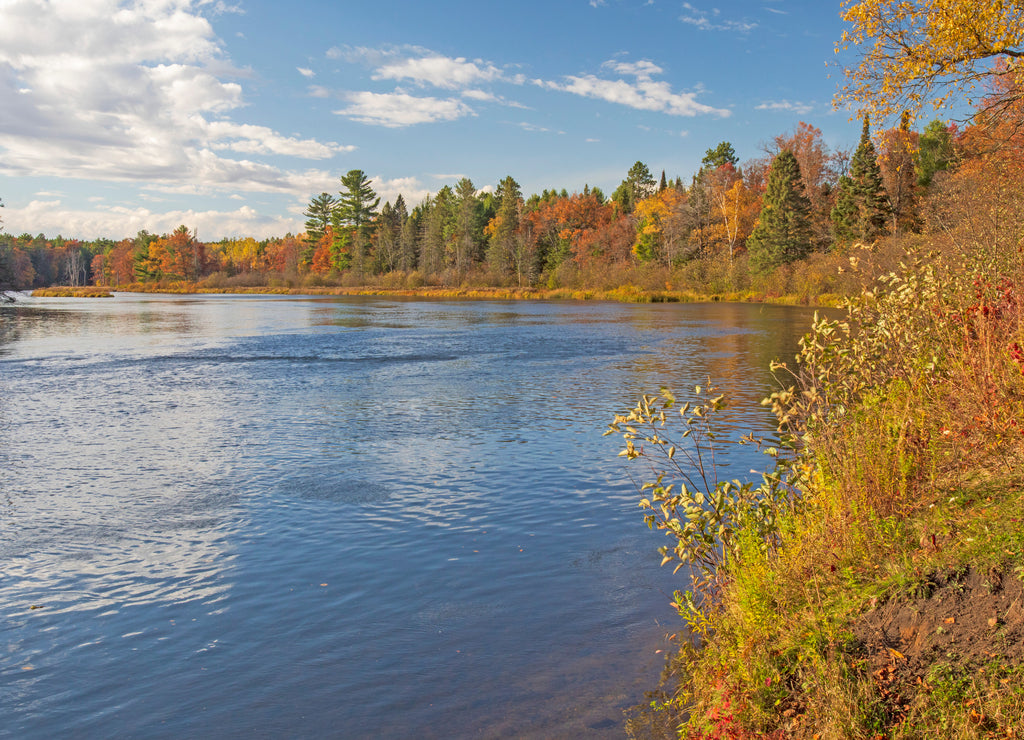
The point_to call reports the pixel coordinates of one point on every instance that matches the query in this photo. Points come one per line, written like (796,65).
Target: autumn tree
(283,255)
(783,232)
(819,169)
(654,215)
(918,52)
(175,256)
(16,270)
(738,207)
(897,155)
(559,225)
(319,214)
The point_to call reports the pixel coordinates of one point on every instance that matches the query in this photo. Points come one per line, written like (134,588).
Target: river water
(306,517)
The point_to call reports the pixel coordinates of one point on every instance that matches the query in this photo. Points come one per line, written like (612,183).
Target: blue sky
(229,115)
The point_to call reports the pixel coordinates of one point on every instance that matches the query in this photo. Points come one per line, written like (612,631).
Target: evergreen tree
(436,228)
(468,232)
(698,212)
(408,253)
(639,184)
(352,217)
(783,232)
(386,237)
(845,213)
(663,185)
(868,188)
(358,202)
(720,156)
(501,254)
(318,213)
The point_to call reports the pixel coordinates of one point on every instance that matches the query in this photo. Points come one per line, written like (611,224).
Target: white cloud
(643,68)
(411,190)
(425,67)
(130,91)
(249,139)
(712,21)
(440,71)
(306,72)
(643,93)
(118,222)
(786,105)
(396,110)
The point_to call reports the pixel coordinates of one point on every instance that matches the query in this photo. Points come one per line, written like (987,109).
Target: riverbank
(624,294)
(871,587)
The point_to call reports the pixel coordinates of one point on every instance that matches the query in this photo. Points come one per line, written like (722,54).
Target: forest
(773,226)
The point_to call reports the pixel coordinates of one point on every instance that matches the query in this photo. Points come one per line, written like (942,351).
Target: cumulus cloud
(126,91)
(305,72)
(411,190)
(712,20)
(397,110)
(52,217)
(643,92)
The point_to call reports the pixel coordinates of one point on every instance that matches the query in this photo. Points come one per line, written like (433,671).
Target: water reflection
(297,515)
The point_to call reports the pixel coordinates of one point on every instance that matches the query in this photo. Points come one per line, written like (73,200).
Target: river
(259,516)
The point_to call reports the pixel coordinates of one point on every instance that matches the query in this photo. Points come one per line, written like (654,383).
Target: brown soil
(963,618)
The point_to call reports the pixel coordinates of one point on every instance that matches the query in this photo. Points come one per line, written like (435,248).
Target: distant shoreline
(624,294)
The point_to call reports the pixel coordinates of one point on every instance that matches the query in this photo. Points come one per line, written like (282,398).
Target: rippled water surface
(270,517)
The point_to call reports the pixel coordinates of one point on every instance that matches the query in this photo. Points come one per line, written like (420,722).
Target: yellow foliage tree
(654,216)
(738,208)
(920,52)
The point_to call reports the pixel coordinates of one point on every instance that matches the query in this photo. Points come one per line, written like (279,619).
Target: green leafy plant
(711,521)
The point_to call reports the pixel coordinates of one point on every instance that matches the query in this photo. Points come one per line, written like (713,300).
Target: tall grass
(917,391)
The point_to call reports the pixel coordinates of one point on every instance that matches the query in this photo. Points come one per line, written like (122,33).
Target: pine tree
(721,155)
(468,231)
(501,254)
(318,213)
(639,184)
(783,233)
(845,214)
(353,214)
(868,189)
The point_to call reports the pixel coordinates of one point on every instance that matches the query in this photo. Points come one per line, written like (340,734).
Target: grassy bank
(870,586)
(623,294)
(820,279)
(65,291)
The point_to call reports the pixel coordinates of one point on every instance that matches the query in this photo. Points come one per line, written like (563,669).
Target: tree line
(798,199)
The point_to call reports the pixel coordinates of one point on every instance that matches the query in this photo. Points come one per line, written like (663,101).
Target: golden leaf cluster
(920,53)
